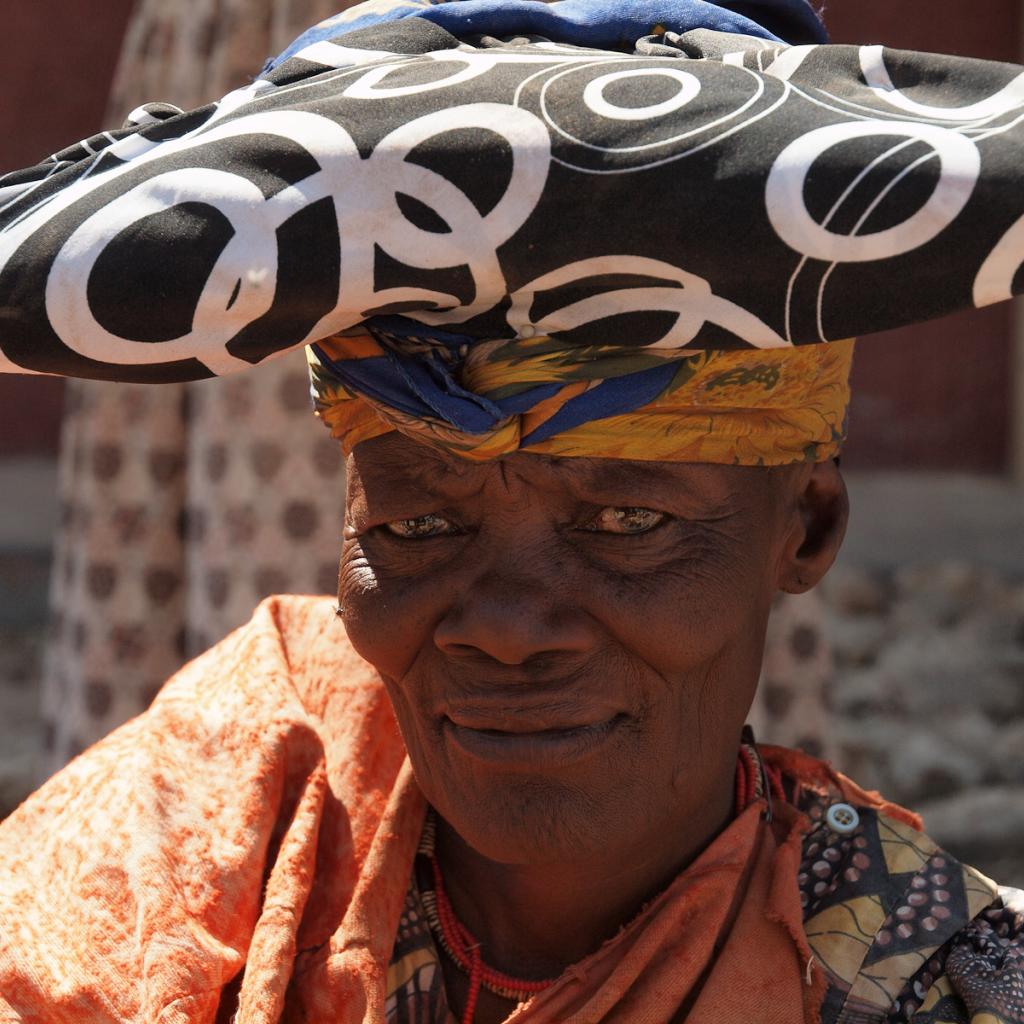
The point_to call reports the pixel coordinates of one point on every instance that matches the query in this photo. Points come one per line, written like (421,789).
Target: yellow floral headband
(750,407)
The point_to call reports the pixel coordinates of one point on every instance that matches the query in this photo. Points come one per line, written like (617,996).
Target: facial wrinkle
(387,472)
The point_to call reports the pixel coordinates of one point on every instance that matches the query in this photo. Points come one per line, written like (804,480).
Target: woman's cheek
(681,620)
(386,619)
(676,616)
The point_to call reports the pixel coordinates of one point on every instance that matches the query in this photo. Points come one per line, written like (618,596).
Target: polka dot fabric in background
(791,708)
(184,505)
(181,509)
(265,501)
(171,534)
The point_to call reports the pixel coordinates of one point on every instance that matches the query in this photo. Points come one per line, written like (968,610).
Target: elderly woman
(571,277)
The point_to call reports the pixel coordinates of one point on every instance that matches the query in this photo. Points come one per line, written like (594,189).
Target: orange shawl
(262,815)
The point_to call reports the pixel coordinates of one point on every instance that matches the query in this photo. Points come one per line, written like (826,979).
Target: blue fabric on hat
(609,398)
(603,24)
(424,388)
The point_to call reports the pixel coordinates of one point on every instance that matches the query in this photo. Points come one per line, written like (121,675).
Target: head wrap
(745,407)
(484,399)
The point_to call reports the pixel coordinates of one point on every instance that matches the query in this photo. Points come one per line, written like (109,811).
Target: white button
(527,331)
(842,818)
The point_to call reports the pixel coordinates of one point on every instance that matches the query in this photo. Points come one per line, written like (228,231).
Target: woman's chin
(528,820)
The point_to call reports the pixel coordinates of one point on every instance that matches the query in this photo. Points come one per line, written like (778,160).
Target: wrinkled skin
(506,603)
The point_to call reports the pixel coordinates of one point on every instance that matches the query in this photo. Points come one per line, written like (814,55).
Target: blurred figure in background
(160,485)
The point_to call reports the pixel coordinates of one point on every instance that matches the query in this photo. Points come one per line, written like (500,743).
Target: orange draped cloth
(249,841)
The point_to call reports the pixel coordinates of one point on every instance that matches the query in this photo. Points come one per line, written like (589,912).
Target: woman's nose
(513,617)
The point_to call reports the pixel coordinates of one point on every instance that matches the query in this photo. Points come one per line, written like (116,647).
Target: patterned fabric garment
(401,178)
(904,932)
(184,505)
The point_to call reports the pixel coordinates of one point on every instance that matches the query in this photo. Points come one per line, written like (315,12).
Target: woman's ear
(818,514)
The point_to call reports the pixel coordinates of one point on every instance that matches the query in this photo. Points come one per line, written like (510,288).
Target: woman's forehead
(397,466)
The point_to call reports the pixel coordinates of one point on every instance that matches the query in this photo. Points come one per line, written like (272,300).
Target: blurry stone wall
(926,621)
(929,699)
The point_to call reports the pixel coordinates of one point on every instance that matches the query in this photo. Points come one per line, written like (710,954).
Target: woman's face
(571,645)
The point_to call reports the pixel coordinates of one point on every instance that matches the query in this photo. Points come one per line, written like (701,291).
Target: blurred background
(135,529)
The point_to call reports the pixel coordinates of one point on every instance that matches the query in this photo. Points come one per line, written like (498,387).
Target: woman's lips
(535,749)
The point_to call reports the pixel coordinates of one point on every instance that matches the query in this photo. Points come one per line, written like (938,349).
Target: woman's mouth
(531,749)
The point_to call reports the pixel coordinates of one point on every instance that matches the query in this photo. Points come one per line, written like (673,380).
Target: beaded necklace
(753,780)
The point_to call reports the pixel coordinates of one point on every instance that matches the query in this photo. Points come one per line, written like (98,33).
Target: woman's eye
(432,525)
(626,520)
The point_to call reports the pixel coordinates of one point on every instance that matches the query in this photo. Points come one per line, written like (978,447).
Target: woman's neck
(533,921)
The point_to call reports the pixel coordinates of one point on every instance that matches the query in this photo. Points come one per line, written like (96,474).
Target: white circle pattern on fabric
(252,244)
(994,282)
(687,296)
(360,190)
(560,89)
(373,85)
(872,62)
(751,196)
(595,99)
(960,165)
